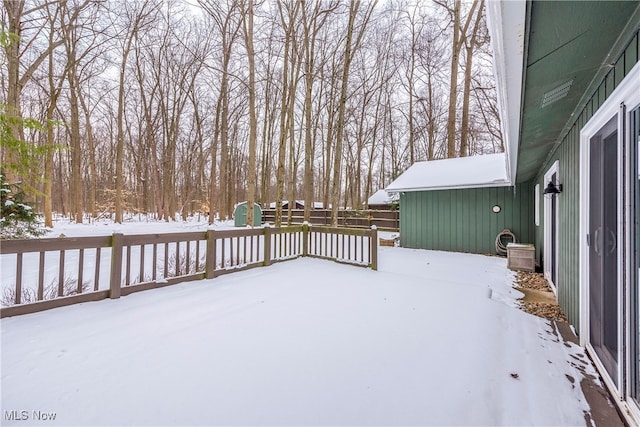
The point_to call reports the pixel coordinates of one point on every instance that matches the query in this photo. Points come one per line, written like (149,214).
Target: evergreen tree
(17,218)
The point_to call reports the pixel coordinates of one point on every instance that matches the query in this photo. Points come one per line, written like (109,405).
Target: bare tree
(288,16)
(253,123)
(136,16)
(313,19)
(225,15)
(351,46)
(460,28)
(470,45)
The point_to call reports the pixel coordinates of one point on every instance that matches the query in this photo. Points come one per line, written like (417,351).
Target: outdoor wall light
(496,208)
(553,188)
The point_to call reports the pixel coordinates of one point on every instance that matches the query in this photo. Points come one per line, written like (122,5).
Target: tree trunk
(453,82)
(14,9)
(253,125)
(469,49)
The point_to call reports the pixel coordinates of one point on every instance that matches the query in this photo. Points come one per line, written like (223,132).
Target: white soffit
(506,24)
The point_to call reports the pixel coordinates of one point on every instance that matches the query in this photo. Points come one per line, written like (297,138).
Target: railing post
(305,239)
(116,265)
(374,247)
(18,295)
(267,245)
(210,263)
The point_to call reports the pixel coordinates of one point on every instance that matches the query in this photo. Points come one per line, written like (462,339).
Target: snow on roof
(461,172)
(381,197)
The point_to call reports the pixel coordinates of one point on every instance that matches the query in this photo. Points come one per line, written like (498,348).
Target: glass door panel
(634,145)
(603,246)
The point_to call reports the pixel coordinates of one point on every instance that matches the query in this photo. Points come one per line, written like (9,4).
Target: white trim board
(554,169)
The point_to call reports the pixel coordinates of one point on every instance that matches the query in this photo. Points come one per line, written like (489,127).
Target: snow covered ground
(432,338)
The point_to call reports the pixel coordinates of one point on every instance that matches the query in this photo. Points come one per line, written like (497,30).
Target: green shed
(462,204)
(240,215)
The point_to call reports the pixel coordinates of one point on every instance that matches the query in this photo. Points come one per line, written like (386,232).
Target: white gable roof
(489,170)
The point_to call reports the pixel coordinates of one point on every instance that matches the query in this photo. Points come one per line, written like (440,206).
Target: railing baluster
(331,239)
(251,238)
(18,295)
(244,250)
(127,276)
(238,250)
(154,262)
(188,261)
(96,277)
(325,252)
(274,244)
(142,263)
(177,259)
(231,252)
(342,253)
(349,247)
(224,244)
(362,248)
(80,271)
(197,266)
(166,260)
(41,277)
(61,275)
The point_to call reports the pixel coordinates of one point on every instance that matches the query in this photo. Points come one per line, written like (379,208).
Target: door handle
(611,242)
(595,241)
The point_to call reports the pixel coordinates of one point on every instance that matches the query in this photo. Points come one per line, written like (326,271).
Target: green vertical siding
(462,220)
(568,155)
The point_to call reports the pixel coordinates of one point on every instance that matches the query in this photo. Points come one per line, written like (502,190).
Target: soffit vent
(556,94)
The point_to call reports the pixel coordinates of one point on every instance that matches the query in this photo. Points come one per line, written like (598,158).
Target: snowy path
(307,342)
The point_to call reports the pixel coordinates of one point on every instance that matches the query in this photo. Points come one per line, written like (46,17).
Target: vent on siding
(556,94)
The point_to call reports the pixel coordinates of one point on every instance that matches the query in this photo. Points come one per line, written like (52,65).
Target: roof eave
(503,183)
(506,22)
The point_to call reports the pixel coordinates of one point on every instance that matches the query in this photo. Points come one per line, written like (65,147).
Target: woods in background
(173,108)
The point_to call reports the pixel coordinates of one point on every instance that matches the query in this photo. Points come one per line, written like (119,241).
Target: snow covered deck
(432,338)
